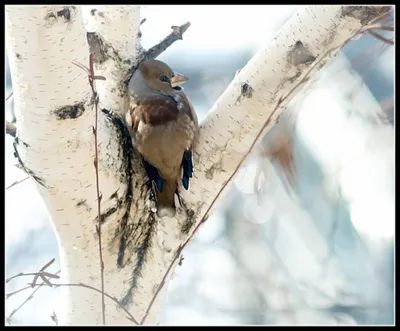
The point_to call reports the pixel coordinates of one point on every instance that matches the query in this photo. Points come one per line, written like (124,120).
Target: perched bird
(163,124)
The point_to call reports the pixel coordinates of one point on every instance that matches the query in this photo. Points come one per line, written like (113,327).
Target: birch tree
(70,138)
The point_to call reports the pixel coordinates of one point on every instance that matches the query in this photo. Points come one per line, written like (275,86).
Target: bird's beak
(178,79)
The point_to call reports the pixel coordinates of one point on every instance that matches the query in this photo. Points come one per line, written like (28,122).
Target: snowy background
(320,252)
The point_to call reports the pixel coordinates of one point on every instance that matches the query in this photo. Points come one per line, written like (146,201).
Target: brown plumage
(163,124)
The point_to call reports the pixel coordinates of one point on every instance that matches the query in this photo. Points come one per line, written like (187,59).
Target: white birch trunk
(56,145)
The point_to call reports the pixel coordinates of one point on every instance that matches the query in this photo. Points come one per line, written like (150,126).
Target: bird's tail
(166,198)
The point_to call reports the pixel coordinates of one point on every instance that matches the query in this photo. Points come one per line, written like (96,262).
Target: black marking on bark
(38,179)
(246,91)
(101,50)
(142,257)
(217,166)
(18,141)
(96,47)
(133,236)
(118,204)
(93,11)
(364,14)
(190,219)
(292,79)
(109,212)
(70,111)
(299,54)
(114,195)
(125,141)
(18,56)
(65,13)
(81,203)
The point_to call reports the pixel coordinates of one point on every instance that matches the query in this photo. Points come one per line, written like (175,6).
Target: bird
(163,125)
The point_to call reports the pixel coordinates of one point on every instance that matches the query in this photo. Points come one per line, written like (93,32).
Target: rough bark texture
(54,142)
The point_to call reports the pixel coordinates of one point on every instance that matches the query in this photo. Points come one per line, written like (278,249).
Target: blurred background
(306,233)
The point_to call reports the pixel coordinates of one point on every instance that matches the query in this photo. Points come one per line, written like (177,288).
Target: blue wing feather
(153,175)
(187,166)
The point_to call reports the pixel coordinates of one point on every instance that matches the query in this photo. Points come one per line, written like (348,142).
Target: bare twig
(155,51)
(129,317)
(11,129)
(92,77)
(385,28)
(176,34)
(40,273)
(377,26)
(54,318)
(382,17)
(17,182)
(9,96)
(378,36)
(27,299)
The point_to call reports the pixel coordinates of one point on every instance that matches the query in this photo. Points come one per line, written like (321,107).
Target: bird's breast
(178,133)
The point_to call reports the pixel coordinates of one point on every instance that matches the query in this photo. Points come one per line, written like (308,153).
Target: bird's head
(160,77)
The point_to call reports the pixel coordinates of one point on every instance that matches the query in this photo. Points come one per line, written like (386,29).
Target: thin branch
(39,286)
(38,274)
(384,28)
(35,274)
(382,17)
(54,318)
(92,77)
(11,129)
(17,182)
(378,36)
(129,317)
(96,165)
(176,34)
(155,51)
(376,26)
(9,96)
(42,273)
(8,295)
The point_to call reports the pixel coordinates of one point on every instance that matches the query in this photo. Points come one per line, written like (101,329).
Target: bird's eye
(164,79)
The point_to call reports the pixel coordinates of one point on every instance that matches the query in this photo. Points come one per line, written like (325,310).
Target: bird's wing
(188,107)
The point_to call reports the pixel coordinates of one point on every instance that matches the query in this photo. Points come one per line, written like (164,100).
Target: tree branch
(176,34)
(92,77)
(46,281)
(11,129)
(381,38)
